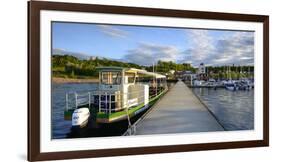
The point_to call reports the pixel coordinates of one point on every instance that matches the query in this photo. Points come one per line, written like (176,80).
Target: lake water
(61,127)
(234,110)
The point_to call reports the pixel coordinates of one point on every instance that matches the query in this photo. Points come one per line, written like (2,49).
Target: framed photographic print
(112,80)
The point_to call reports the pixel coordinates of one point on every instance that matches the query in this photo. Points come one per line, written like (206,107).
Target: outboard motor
(80,117)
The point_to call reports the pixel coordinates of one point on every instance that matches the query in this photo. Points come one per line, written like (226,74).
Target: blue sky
(145,45)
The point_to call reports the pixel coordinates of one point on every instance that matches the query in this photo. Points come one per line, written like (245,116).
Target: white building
(201,69)
(92,58)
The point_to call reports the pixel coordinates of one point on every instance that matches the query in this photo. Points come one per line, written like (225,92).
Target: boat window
(131,77)
(111,77)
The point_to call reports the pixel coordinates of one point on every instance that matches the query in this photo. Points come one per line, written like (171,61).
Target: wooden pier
(179,111)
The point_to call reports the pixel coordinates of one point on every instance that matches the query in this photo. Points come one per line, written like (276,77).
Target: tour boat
(122,93)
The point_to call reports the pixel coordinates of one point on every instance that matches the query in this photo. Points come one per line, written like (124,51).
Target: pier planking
(179,111)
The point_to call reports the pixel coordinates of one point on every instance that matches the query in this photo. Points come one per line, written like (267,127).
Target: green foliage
(71,67)
(233,72)
(165,67)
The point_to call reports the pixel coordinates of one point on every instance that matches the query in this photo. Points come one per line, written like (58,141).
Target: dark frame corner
(34,8)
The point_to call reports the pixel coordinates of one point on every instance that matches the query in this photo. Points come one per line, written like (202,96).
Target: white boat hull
(80,117)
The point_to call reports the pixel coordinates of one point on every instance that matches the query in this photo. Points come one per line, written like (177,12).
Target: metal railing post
(99,102)
(109,103)
(76,104)
(106,100)
(93,98)
(89,99)
(66,102)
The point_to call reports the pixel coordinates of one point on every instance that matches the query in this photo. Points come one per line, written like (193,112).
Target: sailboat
(230,84)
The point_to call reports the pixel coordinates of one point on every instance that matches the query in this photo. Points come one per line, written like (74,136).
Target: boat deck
(179,111)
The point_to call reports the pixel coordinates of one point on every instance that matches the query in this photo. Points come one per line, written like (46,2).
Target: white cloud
(112,31)
(147,54)
(237,48)
(201,46)
(233,48)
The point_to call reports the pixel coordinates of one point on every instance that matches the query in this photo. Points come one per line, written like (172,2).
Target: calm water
(233,109)
(61,127)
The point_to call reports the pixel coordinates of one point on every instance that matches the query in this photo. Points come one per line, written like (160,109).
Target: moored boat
(231,85)
(122,94)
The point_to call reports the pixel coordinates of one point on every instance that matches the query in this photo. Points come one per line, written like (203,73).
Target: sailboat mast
(248,72)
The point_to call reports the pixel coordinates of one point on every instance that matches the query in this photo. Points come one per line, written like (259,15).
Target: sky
(146,45)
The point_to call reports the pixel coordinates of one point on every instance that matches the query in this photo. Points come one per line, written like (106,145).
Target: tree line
(67,66)
(166,66)
(227,72)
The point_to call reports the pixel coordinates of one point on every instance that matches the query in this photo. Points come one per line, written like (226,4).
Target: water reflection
(233,109)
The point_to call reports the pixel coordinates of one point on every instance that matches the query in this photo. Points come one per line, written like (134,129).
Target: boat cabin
(127,87)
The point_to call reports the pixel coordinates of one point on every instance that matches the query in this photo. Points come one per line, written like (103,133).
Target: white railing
(75,100)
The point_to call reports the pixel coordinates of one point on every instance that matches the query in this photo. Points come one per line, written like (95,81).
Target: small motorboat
(80,117)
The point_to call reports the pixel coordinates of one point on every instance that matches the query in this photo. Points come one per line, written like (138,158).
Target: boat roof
(131,70)
(101,68)
(156,75)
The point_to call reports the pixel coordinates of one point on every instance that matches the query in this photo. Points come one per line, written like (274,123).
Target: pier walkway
(179,111)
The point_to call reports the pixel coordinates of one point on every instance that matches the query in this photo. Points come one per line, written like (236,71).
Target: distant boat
(245,85)
(231,85)
(212,83)
(198,82)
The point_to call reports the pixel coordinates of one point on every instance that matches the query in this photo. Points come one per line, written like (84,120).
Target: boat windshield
(110,77)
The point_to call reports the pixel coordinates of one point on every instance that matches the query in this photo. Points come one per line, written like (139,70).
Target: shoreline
(73,80)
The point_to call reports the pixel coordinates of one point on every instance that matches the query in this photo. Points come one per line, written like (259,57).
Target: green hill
(67,66)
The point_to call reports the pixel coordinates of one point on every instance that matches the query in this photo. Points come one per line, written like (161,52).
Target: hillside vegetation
(66,66)
(71,67)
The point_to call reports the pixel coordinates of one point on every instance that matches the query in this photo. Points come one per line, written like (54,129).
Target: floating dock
(179,111)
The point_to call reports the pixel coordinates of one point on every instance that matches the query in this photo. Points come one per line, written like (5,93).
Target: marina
(129,101)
